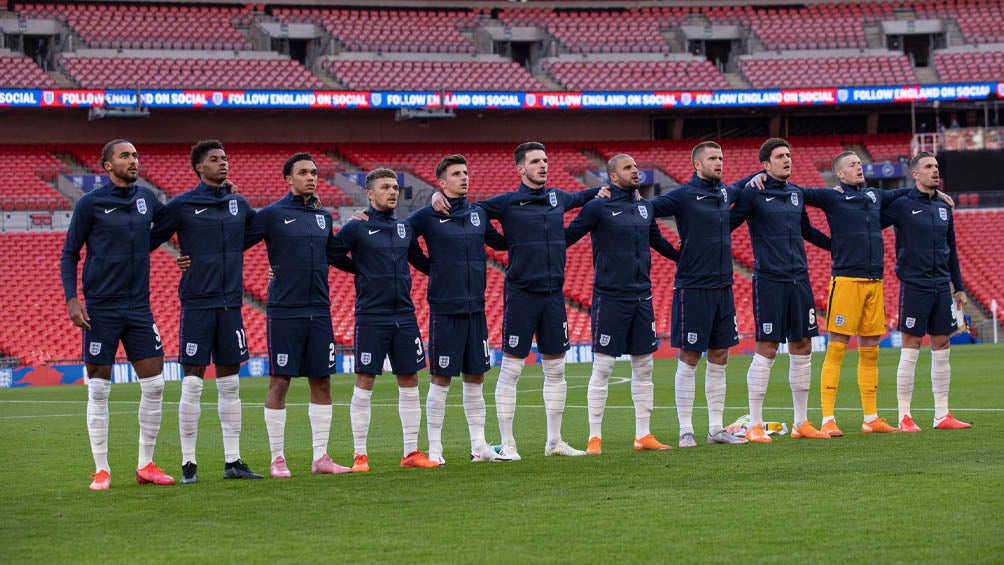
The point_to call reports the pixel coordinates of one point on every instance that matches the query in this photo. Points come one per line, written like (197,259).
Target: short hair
(835,164)
(768,147)
(916,159)
(381,173)
(448,162)
(287,167)
(106,152)
(612,163)
(201,149)
(519,155)
(699,149)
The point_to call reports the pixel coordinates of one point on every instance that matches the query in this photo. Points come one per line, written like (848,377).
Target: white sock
(151,398)
(505,397)
(228,406)
(435,413)
(320,427)
(642,393)
(474,409)
(189,410)
(941,378)
(359,413)
(685,396)
(904,379)
(275,424)
(410,410)
(555,392)
(714,393)
(756,384)
(800,379)
(596,394)
(98,391)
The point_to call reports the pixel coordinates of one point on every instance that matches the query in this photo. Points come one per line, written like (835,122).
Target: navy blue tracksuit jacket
(301,246)
(114,223)
(778,222)
(623,230)
(456,245)
(381,249)
(534,227)
(926,256)
(210,223)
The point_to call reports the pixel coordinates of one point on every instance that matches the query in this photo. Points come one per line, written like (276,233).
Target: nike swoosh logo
(617,213)
(243,351)
(769,198)
(420,359)
(159,346)
(446,220)
(524,202)
(915,211)
(330,365)
(371,232)
(288,221)
(110,210)
(848,197)
(702,197)
(197,211)
(812,327)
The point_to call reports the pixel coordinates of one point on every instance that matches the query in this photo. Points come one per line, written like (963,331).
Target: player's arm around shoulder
(584,222)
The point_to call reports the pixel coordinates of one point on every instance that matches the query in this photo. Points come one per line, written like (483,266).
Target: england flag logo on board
(217,98)
(376,98)
(48,97)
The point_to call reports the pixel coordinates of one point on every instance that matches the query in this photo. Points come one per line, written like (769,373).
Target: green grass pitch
(931,497)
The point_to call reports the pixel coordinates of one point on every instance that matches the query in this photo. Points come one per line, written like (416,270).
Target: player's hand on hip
(78,314)
(184,262)
(360,216)
(440,203)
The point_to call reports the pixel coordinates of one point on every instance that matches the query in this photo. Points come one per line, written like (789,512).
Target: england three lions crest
(401,232)
(643,211)
(552,198)
(943,214)
(794,199)
(234,208)
(322,222)
(444,361)
(141,205)
(475,219)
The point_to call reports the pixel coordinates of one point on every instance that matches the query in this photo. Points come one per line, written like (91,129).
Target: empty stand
(138,26)
(970,66)
(170,73)
(637,75)
(389,30)
(979,240)
(22,72)
(22,186)
(431,75)
(828,71)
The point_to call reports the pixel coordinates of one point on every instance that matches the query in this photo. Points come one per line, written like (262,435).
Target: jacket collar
(380,215)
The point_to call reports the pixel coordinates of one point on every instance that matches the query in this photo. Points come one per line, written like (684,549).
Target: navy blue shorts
(458,343)
(215,335)
(301,347)
(704,318)
(134,328)
(784,311)
(623,326)
(528,313)
(403,343)
(926,311)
